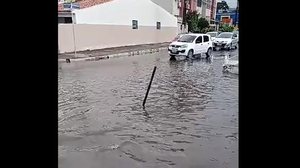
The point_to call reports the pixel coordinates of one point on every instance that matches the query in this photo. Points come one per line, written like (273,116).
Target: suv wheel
(208,53)
(229,47)
(190,54)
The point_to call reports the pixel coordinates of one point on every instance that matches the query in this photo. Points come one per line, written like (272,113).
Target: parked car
(237,33)
(213,35)
(226,40)
(190,45)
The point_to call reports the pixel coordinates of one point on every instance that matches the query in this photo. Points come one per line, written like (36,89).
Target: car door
(205,43)
(198,45)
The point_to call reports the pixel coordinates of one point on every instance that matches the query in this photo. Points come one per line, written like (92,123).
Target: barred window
(158,25)
(134,24)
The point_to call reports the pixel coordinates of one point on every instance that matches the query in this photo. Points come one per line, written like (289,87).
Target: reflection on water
(190,119)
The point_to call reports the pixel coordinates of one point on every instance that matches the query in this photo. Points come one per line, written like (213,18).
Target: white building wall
(166,4)
(175,8)
(104,36)
(122,12)
(110,25)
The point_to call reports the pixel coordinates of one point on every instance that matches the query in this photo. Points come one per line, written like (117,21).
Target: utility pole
(184,20)
(74,41)
(236,13)
(184,12)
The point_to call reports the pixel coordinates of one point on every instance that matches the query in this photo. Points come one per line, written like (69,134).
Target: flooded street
(190,119)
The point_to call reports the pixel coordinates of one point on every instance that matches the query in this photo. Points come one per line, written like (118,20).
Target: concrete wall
(166,4)
(103,36)
(169,5)
(175,8)
(110,25)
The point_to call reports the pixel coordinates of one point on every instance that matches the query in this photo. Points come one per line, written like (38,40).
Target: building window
(68,20)
(65,20)
(199,2)
(134,24)
(158,25)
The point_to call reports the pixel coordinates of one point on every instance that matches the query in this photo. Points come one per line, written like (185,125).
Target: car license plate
(174,50)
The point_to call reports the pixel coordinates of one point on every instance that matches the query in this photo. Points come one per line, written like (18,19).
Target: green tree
(192,21)
(226,28)
(195,23)
(203,25)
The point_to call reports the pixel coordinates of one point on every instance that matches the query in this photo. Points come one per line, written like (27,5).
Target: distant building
(177,8)
(230,17)
(173,7)
(204,8)
(207,9)
(213,13)
(114,23)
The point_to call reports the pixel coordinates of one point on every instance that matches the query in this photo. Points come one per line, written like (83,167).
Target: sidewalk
(93,55)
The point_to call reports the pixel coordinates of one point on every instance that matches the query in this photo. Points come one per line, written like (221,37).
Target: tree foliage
(226,28)
(195,23)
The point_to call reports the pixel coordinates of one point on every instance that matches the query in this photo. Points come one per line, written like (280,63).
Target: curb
(124,54)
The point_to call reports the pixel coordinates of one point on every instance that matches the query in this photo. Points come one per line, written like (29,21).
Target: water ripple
(191,105)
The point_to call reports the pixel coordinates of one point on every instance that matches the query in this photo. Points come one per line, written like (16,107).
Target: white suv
(191,44)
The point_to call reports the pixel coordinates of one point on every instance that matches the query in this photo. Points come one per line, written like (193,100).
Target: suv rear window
(206,38)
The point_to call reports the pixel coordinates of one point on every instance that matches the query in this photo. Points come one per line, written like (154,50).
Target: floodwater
(190,119)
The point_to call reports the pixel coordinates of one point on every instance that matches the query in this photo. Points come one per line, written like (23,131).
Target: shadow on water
(231,75)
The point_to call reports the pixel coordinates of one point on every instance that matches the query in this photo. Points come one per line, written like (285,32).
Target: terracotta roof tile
(85,3)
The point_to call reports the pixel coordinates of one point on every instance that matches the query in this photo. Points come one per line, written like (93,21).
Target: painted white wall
(169,5)
(92,36)
(175,7)
(122,12)
(166,4)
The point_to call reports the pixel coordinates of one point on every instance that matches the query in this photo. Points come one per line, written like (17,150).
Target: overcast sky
(230,3)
